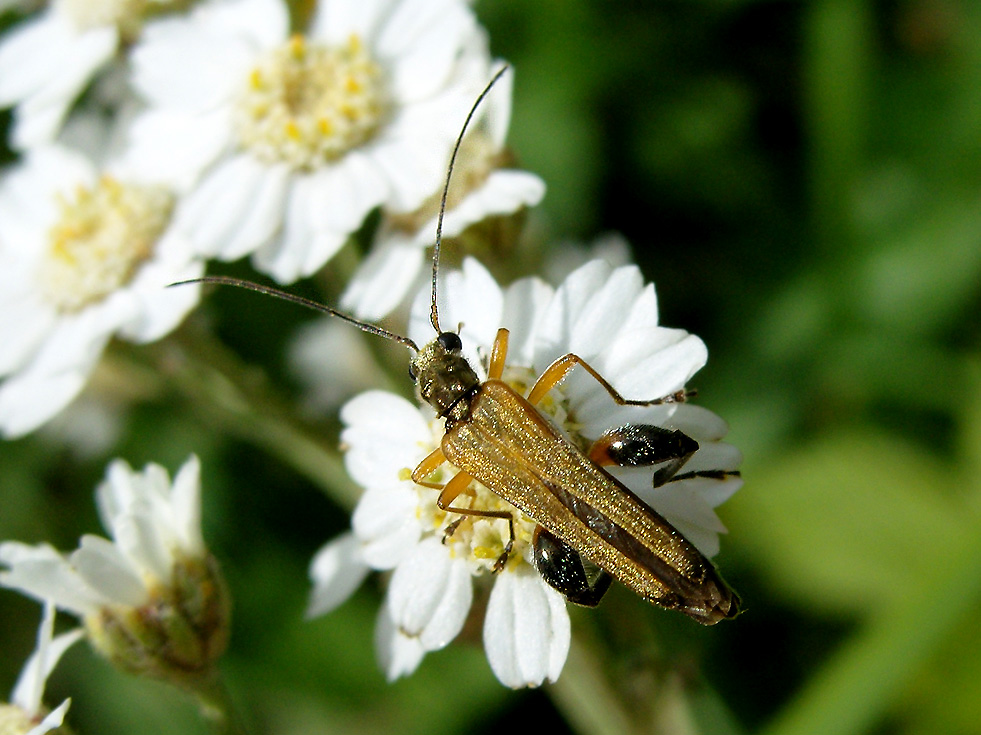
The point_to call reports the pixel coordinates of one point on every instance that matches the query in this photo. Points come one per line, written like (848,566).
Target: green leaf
(849,522)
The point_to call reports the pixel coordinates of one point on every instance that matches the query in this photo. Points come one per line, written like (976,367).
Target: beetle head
(443,376)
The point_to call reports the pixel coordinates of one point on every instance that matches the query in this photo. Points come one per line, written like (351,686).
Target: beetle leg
(498,355)
(562,568)
(427,467)
(644,445)
(458,486)
(558,370)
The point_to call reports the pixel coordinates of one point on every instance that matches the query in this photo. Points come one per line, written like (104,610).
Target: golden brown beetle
(497,437)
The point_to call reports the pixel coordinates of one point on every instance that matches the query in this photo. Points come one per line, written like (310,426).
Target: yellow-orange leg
(427,467)
(498,355)
(449,492)
(558,370)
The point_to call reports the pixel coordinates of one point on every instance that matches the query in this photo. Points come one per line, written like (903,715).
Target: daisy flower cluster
(223,129)
(153,138)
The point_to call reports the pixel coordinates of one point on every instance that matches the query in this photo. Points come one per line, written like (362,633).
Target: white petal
(261,222)
(284,255)
(384,434)
(102,566)
(660,374)
(430,594)
(505,191)
(29,690)
(29,400)
(526,629)
(24,325)
(383,280)
(185,501)
(398,654)
(336,571)
(53,720)
(141,538)
(175,147)
(212,214)
(32,50)
(333,23)
(42,573)
(412,163)
(423,38)
(158,310)
(44,64)
(386,524)
(524,303)
(344,193)
(560,318)
(197,61)
(181,65)
(699,423)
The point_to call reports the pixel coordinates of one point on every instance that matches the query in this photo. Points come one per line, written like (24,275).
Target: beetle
(590,527)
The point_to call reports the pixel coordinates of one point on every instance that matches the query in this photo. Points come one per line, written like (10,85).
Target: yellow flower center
(308,104)
(14,720)
(100,239)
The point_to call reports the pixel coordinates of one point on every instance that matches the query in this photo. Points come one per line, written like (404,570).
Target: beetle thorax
(444,378)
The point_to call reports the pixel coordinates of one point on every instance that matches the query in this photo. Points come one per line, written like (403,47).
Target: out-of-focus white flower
(331,362)
(152,599)
(287,142)
(485,184)
(566,257)
(26,715)
(47,61)
(83,257)
(606,316)
(89,426)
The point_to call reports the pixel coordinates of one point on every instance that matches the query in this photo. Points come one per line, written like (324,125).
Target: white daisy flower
(485,184)
(83,257)
(26,714)
(296,138)
(152,599)
(606,316)
(47,61)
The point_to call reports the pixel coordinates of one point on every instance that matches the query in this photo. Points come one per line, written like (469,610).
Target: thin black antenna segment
(434,314)
(309,303)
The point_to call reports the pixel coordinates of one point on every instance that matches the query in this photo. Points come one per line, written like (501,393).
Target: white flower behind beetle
(152,599)
(287,142)
(84,256)
(47,61)
(606,316)
(486,184)
(26,715)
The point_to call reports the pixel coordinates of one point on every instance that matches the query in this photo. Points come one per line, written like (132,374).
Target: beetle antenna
(309,303)
(434,314)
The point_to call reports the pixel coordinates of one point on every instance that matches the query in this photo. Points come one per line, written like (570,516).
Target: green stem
(584,696)
(243,402)
(218,708)
(238,400)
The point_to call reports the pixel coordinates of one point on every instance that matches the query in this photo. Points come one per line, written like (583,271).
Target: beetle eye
(412,372)
(450,341)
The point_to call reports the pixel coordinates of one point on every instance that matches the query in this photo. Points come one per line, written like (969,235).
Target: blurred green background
(802,181)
